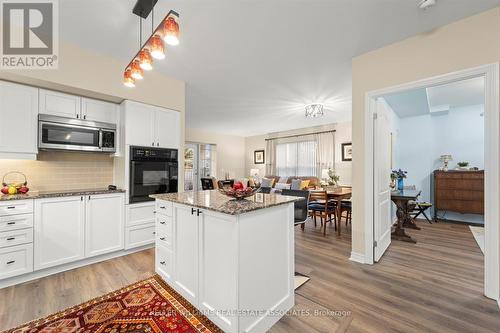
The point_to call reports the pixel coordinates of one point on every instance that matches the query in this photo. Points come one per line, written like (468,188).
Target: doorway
(377,228)
(199,162)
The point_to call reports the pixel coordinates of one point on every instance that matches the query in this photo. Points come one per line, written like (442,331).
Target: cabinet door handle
(11,207)
(162,222)
(192,211)
(198,212)
(11,223)
(153,144)
(85,116)
(89,197)
(157,144)
(154,232)
(162,262)
(162,238)
(163,207)
(11,238)
(10,262)
(77,116)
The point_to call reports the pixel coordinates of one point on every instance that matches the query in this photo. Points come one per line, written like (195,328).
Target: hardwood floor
(432,286)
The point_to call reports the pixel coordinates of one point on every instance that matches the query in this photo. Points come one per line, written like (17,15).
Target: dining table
(405,202)
(339,194)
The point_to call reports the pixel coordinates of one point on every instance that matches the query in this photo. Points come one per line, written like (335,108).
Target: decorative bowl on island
(238,193)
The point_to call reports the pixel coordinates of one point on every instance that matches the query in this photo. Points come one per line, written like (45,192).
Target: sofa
(314,182)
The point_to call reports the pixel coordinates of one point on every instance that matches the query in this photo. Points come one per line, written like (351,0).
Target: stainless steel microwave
(62,133)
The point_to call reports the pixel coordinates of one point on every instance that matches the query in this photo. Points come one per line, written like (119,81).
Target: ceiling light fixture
(424,4)
(167,29)
(314,110)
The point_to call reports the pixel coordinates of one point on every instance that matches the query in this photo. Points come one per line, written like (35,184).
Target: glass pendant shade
(171,31)
(145,60)
(156,47)
(136,71)
(128,80)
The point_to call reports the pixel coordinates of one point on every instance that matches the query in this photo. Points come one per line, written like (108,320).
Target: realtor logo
(29,34)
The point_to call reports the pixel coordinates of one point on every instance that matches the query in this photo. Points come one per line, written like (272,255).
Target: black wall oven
(152,171)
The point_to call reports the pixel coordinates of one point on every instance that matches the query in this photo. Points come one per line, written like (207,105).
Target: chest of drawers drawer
(16,260)
(14,222)
(16,237)
(13,207)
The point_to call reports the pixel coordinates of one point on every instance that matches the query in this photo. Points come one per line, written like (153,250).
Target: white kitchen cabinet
(16,260)
(150,126)
(59,231)
(93,109)
(104,223)
(139,235)
(59,104)
(167,128)
(19,119)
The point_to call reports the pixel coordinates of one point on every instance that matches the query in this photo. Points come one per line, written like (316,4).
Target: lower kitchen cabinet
(59,231)
(16,260)
(104,223)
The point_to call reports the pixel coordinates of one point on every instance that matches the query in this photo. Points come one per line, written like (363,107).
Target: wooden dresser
(459,191)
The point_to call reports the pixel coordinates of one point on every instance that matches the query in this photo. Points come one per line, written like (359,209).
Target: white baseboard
(66,267)
(357,257)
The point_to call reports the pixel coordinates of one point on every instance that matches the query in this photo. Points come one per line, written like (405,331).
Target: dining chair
(300,207)
(319,205)
(418,207)
(346,206)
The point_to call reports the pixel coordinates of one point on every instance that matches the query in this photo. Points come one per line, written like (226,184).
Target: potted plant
(399,175)
(462,165)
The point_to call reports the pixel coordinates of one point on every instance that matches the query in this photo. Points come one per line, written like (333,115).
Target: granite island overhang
(232,260)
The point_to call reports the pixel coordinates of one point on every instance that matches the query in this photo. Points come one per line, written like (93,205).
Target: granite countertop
(55,194)
(218,202)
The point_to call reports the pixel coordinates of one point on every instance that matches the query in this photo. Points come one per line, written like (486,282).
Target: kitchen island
(232,260)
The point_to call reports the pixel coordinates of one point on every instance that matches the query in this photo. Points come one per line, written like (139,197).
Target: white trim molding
(490,73)
(358,257)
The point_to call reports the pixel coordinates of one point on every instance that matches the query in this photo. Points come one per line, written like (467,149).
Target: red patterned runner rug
(148,306)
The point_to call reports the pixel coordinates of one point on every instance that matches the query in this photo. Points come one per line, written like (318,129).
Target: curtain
(296,158)
(325,158)
(270,157)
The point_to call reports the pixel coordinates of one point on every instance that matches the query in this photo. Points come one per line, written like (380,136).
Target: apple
(5,190)
(238,186)
(24,189)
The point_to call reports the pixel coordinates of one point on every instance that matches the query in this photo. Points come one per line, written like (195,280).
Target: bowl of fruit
(17,185)
(238,191)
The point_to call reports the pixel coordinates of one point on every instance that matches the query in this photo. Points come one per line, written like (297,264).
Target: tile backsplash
(55,170)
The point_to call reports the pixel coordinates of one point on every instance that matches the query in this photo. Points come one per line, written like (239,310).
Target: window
(296,159)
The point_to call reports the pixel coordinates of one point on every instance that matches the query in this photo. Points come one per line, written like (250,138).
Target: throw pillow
(295,184)
(266,182)
(281,186)
(304,184)
(283,180)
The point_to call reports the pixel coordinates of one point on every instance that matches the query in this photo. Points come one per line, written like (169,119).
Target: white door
(104,223)
(18,118)
(93,109)
(59,104)
(139,124)
(186,252)
(59,231)
(167,128)
(382,174)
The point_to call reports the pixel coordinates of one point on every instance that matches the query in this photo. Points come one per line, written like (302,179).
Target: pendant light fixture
(171,31)
(167,31)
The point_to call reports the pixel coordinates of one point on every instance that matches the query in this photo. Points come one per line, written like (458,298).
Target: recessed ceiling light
(424,4)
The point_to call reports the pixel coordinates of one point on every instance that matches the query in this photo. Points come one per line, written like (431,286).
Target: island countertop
(215,201)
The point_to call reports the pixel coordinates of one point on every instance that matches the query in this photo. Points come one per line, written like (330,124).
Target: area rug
(478,233)
(148,306)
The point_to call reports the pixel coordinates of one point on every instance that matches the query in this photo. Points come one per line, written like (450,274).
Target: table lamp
(445,159)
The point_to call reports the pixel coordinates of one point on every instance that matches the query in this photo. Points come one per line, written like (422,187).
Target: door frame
(490,73)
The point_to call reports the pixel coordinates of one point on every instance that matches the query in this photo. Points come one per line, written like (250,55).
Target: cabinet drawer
(16,207)
(16,260)
(164,207)
(141,213)
(163,262)
(14,222)
(139,235)
(16,237)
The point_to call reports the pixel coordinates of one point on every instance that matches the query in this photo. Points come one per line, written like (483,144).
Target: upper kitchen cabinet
(150,126)
(93,109)
(60,104)
(18,116)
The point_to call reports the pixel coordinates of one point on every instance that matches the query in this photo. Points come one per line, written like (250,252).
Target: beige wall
(230,151)
(90,74)
(62,171)
(468,43)
(343,134)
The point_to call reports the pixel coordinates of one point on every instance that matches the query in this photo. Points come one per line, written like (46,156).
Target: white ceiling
(251,66)
(437,99)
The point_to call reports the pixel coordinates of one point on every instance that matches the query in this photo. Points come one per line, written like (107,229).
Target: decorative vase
(401,184)
(393,184)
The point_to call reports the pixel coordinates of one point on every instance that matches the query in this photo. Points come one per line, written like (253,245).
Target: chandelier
(314,110)
(166,32)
